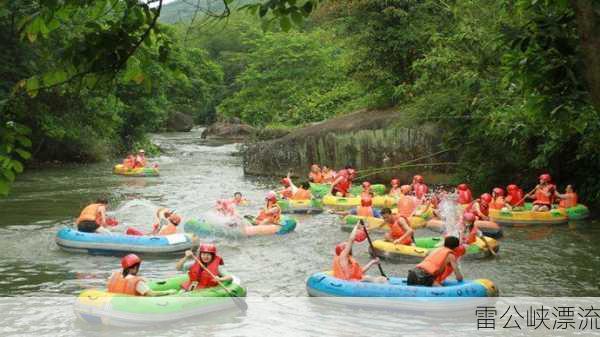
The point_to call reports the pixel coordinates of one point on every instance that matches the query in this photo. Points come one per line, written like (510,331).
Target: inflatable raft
(528,217)
(349,202)
(423,245)
(488,228)
(300,206)
(101,307)
(321,190)
(349,221)
(323,284)
(73,240)
(201,228)
(578,212)
(137,172)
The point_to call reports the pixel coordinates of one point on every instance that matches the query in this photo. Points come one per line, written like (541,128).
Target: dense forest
(513,84)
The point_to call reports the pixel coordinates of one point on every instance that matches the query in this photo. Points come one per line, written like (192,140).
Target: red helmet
(272,196)
(360,235)
(486,197)
(285,182)
(512,187)
(130,260)
(366,184)
(395,182)
(366,202)
(418,178)
(469,217)
(207,248)
(463,187)
(174,218)
(545,177)
(339,248)
(499,192)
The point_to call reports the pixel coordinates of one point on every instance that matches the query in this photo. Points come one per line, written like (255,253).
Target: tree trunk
(587,14)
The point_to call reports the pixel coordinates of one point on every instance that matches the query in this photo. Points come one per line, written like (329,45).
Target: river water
(534,261)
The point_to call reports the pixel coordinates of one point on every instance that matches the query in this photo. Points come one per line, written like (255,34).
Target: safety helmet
(130,260)
(285,182)
(512,187)
(545,177)
(498,191)
(418,178)
(207,248)
(486,197)
(272,196)
(463,187)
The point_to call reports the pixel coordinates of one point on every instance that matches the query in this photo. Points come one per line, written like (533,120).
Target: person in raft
(165,222)
(345,267)
(289,189)
(140,159)
(437,265)
(271,213)
(419,187)
(543,194)
(515,196)
(498,201)
(303,192)
(129,162)
(400,232)
(93,218)
(327,174)
(470,230)
(127,282)
(239,200)
(481,207)
(198,277)
(568,199)
(343,182)
(315,175)
(395,189)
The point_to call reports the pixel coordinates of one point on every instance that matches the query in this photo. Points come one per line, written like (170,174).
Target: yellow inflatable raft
(423,245)
(137,172)
(528,217)
(349,202)
(349,221)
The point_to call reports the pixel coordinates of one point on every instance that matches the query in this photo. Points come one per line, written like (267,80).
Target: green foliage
(14,149)
(291,78)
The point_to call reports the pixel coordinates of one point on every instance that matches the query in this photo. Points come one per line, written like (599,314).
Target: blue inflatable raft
(73,240)
(323,284)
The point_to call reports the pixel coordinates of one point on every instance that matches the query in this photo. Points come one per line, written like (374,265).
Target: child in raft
(93,218)
(343,182)
(400,232)
(289,189)
(198,277)
(568,199)
(498,201)
(127,282)
(239,200)
(328,175)
(345,267)
(543,194)
(303,192)
(140,159)
(271,213)
(315,175)
(481,207)
(437,265)
(419,187)
(395,189)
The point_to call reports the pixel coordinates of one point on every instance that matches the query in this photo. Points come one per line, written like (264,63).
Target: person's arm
(408,231)
(370,264)
(102,211)
(335,182)
(344,254)
(452,260)
(183,260)
(143,289)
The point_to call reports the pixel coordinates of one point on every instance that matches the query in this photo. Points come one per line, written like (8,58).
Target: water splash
(450,212)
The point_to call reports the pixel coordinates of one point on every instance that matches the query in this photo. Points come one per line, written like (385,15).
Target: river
(533,261)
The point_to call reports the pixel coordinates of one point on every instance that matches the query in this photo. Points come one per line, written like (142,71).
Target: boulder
(226,130)
(180,122)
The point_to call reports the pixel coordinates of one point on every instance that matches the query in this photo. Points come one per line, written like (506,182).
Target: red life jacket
(198,274)
(344,185)
(515,197)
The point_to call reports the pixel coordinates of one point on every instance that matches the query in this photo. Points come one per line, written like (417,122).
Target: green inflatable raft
(321,190)
(101,307)
(301,206)
(577,212)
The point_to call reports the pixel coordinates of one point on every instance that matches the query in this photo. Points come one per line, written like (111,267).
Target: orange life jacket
(569,201)
(316,178)
(497,203)
(301,194)
(515,198)
(406,205)
(168,229)
(396,232)
(364,211)
(90,213)
(465,197)
(271,212)
(420,190)
(435,263)
(123,285)
(196,273)
(541,197)
(354,272)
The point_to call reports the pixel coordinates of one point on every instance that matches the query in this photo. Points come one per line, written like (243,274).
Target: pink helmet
(207,248)
(486,197)
(130,260)
(499,192)
(545,177)
(512,187)
(418,178)
(285,182)
(272,196)
(463,187)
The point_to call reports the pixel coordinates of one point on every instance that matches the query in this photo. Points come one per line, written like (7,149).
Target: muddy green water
(533,261)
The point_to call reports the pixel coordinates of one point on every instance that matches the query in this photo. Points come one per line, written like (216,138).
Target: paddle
(362,223)
(241,304)
(526,195)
